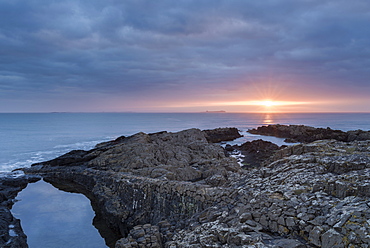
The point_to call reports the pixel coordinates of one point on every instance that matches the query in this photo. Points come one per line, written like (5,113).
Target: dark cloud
(143,48)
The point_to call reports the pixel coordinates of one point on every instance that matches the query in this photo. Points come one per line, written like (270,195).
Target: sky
(184,56)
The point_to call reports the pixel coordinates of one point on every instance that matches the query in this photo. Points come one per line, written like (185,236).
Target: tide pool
(52,218)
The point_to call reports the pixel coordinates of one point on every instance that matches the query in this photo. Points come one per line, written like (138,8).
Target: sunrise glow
(192,57)
(268,103)
(263,106)
(265,103)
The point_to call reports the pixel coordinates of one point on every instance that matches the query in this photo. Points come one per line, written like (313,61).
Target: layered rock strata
(318,192)
(181,190)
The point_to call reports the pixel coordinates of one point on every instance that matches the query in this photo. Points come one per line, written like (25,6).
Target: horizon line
(183,112)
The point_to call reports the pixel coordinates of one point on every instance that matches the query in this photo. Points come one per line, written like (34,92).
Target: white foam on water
(82,145)
(33,138)
(12,233)
(25,160)
(239,157)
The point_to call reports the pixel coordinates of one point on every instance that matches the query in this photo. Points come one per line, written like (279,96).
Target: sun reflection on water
(268,119)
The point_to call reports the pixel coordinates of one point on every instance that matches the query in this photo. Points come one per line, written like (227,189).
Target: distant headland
(215,111)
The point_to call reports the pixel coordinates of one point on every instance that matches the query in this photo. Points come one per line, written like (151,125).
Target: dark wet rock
(222,134)
(306,134)
(178,190)
(229,148)
(291,140)
(11,233)
(256,152)
(358,135)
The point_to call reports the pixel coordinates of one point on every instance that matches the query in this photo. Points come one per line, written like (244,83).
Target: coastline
(32,138)
(297,193)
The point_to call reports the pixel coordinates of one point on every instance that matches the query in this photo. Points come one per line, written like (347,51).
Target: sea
(29,138)
(54,218)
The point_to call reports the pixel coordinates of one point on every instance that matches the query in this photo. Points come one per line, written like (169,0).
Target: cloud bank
(148,55)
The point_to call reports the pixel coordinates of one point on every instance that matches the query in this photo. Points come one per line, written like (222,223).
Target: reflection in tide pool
(56,219)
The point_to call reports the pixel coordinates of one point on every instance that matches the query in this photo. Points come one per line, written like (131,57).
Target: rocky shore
(11,233)
(185,190)
(306,134)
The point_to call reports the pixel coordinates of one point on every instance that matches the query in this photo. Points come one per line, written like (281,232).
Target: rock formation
(305,134)
(222,134)
(181,190)
(253,153)
(11,233)
(182,156)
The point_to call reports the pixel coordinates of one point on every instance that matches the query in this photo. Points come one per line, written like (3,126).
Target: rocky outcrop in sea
(305,134)
(183,190)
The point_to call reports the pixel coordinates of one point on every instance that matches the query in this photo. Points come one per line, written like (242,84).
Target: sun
(267,103)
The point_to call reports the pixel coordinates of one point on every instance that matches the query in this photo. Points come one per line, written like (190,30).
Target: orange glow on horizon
(266,103)
(258,106)
(262,106)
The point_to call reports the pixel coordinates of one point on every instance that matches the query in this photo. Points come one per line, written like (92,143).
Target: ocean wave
(14,174)
(24,160)
(87,145)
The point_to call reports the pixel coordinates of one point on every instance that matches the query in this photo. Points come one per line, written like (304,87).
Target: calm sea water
(31,138)
(56,219)
(53,218)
